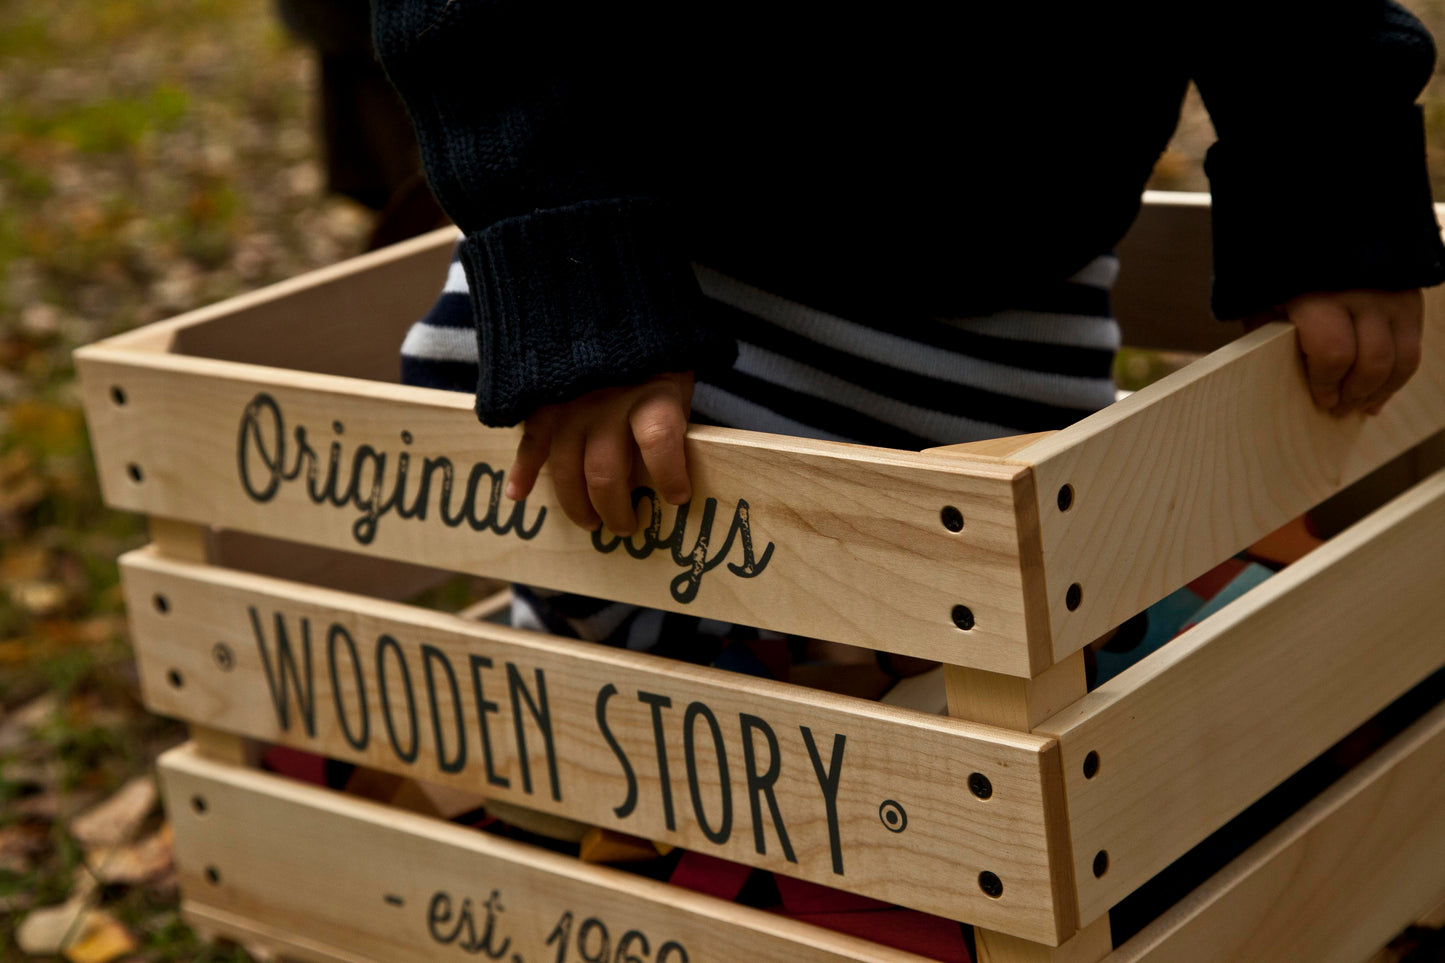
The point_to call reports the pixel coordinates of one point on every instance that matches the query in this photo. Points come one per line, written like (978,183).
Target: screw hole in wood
(980,785)
(198,804)
(213,875)
(1074,596)
(117,395)
(963,617)
(991,885)
(952,518)
(133,470)
(1101,863)
(1066,498)
(175,679)
(1091,765)
(162,604)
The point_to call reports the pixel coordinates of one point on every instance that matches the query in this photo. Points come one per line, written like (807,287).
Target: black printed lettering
(658,703)
(285,668)
(695,711)
(630,803)
(828,779)
(486,707)
(760,784)
(384,645)
(542,715)
(430,656)
(358,742)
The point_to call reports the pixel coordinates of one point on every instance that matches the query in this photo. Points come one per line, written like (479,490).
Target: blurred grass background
(157,155)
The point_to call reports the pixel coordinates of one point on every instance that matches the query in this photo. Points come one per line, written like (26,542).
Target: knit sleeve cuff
(573,299)
(1296,213)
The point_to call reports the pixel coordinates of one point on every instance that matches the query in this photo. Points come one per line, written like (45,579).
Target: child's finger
(531,455)
(1406,330)
(568,480)
(607,466)
(1374,361)
(1327,340)
(660,426)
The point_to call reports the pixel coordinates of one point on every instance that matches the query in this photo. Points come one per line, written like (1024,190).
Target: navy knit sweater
(908,160)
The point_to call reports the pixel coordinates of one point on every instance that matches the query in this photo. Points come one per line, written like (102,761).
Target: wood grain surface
(841,791)
(1197,731)
(360,881)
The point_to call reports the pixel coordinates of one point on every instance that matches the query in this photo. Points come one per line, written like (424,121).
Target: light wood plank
(1336,881)
(1180,475)
(308,861)
(914,768)
(489,607)
(995,447)
(1089,945)
(1194,733)
(859,553)
(1018,704)
(1011,702)
(212,924)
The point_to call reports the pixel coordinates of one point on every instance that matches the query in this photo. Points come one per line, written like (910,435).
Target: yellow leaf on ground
(104,938)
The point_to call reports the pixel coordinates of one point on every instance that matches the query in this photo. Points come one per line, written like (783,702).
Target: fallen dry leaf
(45,931)
(119,818)
(16,728)
(137,863)
(21,846)
(38,598)
(103,939)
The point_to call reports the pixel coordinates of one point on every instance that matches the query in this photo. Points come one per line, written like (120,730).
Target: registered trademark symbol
(225,658)
(895,818)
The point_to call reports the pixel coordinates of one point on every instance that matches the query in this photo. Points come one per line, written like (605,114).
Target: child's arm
(526,114)
(1322,208)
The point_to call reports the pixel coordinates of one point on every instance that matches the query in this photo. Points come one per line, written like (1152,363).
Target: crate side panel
(835,541)
(1343,876)
(1179,476)
(1196,732)
(369,882)
(839,791)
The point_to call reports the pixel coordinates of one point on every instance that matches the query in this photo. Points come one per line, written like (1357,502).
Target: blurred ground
(156,155)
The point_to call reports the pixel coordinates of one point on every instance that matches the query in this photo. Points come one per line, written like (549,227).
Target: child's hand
(593,442)
(1359,346)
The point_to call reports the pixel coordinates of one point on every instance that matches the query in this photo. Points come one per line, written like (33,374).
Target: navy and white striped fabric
(894,382)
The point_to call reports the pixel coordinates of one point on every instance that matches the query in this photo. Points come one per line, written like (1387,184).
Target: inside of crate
(350,320)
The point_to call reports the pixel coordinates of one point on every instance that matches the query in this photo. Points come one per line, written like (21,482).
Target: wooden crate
(298,497)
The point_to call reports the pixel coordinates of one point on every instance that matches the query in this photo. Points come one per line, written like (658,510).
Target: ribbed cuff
(569,300)
(1350,210)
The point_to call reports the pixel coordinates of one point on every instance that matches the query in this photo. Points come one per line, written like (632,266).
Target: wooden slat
(1180,475)
(1336,881)
(1194,733)
(345,319)
(895,764)
(361,881)
(258,937)
(847,542)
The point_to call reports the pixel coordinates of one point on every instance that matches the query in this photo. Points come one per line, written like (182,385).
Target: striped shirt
(893,382)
